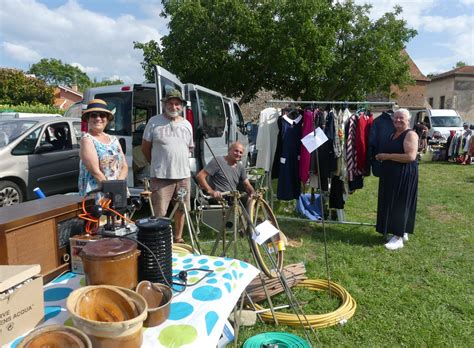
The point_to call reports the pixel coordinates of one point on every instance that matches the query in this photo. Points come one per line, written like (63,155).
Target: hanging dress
(305,156)
(110,163)
(398,191)
(288,179)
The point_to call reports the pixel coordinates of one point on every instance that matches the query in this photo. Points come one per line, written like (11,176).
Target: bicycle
(242,224)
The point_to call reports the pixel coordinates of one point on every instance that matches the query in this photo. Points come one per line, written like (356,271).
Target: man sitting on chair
(214,182)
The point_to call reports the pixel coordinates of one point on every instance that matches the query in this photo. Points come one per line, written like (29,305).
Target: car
(38,152)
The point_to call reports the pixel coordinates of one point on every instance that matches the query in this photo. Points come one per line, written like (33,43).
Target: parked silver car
(38,152)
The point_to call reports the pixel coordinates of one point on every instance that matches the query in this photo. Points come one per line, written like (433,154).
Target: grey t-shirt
(171,144)
(218,181)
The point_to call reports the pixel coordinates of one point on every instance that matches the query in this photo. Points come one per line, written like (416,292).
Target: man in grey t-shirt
(167,142)
(214,182)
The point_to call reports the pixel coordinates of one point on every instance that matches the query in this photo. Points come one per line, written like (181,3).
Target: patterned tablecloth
(198,314)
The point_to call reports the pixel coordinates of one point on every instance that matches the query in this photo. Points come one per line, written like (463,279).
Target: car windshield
(12,129)
(446,121)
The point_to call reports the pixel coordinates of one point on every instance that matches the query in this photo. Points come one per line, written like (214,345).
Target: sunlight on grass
(420,295)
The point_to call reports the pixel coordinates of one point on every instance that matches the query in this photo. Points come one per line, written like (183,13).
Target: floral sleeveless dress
(110,163)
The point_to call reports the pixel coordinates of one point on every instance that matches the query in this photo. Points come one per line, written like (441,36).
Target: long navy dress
(398,191)
(289,186)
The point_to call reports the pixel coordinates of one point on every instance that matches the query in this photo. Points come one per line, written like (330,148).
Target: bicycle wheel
(259,211)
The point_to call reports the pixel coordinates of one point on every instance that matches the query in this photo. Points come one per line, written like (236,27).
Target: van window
(227,112)
(121,105)
(167,85)
(75,110)
(446,121)
(212,113)
(240,118)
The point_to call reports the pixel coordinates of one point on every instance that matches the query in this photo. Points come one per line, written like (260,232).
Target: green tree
(151,56)
(95,83)
(16,88)
(55,72)
(316,49)
(459,64)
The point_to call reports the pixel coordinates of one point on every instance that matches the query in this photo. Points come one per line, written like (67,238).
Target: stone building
(453,89)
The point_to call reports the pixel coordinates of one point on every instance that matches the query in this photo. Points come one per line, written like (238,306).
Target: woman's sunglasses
(97,114)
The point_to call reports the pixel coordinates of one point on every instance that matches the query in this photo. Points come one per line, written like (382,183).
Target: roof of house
(415,72)
(464,70)
(68,89)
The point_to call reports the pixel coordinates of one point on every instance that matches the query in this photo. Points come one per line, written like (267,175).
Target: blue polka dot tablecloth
(198,314)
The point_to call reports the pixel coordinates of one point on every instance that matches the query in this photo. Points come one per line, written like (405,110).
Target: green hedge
(31,108)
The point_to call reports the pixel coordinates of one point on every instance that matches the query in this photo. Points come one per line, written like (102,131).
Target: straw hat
(97,105)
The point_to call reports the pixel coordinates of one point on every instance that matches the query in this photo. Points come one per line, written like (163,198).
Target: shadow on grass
(353,235)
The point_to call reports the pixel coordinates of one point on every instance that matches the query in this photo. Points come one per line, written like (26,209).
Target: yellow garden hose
(182,248)
(339,316)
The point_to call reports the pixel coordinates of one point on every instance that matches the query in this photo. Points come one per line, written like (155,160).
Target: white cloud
(97,43)
(21,52)
(86,69)
(439,24)
(412,9)
(447,39)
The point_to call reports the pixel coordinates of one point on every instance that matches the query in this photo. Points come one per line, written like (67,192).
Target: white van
(439,122)
(212,115)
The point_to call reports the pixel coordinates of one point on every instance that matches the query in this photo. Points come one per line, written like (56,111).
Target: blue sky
(97,35)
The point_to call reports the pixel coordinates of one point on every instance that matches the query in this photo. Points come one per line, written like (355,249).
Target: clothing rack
(324,102)
(330,102)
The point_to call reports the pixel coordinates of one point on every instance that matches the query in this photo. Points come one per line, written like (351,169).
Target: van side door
(239,129)
(165,81)
(211,122)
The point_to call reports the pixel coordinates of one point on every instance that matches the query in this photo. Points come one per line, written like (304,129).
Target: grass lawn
(421,295)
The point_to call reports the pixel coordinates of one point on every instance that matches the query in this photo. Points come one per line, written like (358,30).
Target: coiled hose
(345,311)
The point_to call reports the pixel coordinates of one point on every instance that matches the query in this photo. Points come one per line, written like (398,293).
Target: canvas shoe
(405,237)
(394,243)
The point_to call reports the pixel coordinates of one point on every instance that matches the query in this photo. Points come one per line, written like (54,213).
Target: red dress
(362,140)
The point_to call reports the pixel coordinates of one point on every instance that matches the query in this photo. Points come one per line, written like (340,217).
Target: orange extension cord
(93,223)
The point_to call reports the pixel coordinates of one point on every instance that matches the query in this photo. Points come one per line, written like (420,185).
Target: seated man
(214,182)
(61,138)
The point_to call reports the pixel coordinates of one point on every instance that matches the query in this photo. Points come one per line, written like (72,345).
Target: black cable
(185,273)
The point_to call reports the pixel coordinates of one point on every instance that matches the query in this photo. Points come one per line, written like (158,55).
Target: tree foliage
(317,49)
(459,64)
(96,83)
(17,88)
(55,72)
(151,57)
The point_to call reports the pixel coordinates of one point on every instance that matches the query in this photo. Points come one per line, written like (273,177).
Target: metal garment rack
(322,102)
(330,102)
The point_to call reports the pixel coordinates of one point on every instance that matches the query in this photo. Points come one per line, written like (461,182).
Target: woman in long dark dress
(398,185)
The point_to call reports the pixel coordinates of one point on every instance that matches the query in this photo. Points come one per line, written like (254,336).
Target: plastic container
(111,316)
(111,261)
(56,336)
(158,297)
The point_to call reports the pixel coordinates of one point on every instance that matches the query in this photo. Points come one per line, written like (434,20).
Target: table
(198,314)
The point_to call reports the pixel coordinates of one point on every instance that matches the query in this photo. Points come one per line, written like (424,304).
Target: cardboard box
(21,300)
(77,243)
